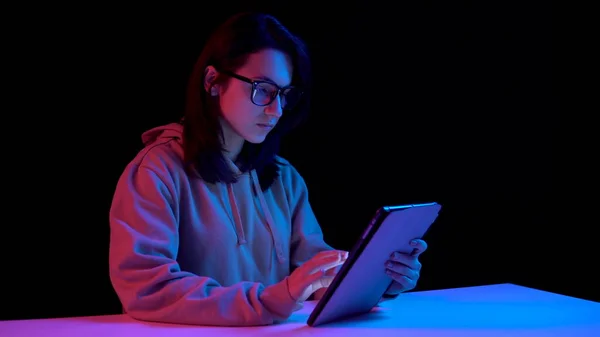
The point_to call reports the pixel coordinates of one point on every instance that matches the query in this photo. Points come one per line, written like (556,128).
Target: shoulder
(163,158)
(289,177)
(287,170)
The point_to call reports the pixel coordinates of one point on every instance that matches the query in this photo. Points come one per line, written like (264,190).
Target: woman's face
(243,120)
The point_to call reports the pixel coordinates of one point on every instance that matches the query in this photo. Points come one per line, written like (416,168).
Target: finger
(410,261)
(402,269)
(327,266)
(323,282)
(405,282)
(327,256)
(314,278)
(326,253)
(325,261)
(419,246)
(333,271)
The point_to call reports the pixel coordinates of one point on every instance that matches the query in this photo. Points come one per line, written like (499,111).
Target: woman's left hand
(404,269)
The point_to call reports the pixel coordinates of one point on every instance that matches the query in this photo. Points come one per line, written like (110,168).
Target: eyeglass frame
(255,83)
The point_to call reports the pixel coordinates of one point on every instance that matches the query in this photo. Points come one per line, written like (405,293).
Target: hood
(163,132)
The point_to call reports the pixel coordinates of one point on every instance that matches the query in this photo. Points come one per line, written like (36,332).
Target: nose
(274,109)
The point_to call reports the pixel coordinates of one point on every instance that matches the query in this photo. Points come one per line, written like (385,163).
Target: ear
(210,75)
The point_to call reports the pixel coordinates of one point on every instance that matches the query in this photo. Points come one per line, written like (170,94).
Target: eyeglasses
(264,92)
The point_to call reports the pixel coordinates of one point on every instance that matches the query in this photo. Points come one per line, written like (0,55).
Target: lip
(265,126)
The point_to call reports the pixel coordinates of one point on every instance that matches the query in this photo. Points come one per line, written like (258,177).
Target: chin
(256,139)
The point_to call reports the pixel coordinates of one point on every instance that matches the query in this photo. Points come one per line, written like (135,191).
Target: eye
(266,89)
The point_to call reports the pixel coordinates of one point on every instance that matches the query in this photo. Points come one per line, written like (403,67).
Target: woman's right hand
(312,275)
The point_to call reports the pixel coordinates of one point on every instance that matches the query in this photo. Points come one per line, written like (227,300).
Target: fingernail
(413,243)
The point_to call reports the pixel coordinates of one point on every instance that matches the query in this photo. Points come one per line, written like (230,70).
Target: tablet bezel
(376,221)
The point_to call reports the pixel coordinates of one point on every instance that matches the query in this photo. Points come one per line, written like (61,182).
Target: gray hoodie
(186,251)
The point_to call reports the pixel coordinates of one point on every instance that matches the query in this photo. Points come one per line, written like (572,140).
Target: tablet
(361,281)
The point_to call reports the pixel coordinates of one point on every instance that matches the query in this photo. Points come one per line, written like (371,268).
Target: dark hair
(228,48)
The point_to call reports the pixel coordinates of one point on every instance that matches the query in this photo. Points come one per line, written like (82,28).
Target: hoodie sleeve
(147,278)
(307,236)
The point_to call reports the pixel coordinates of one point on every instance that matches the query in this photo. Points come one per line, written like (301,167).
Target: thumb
(306,286)
(315,278)
(323,282)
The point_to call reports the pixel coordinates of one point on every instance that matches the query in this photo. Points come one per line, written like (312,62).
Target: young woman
(208,225)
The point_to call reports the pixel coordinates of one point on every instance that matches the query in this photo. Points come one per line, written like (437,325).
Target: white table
(494,310)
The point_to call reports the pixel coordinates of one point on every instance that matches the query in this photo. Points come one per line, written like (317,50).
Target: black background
(414,102)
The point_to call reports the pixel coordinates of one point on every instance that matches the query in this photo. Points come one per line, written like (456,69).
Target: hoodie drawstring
(237,219)
(269,218)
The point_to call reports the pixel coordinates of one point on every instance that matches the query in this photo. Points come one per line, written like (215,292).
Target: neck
(232,142)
